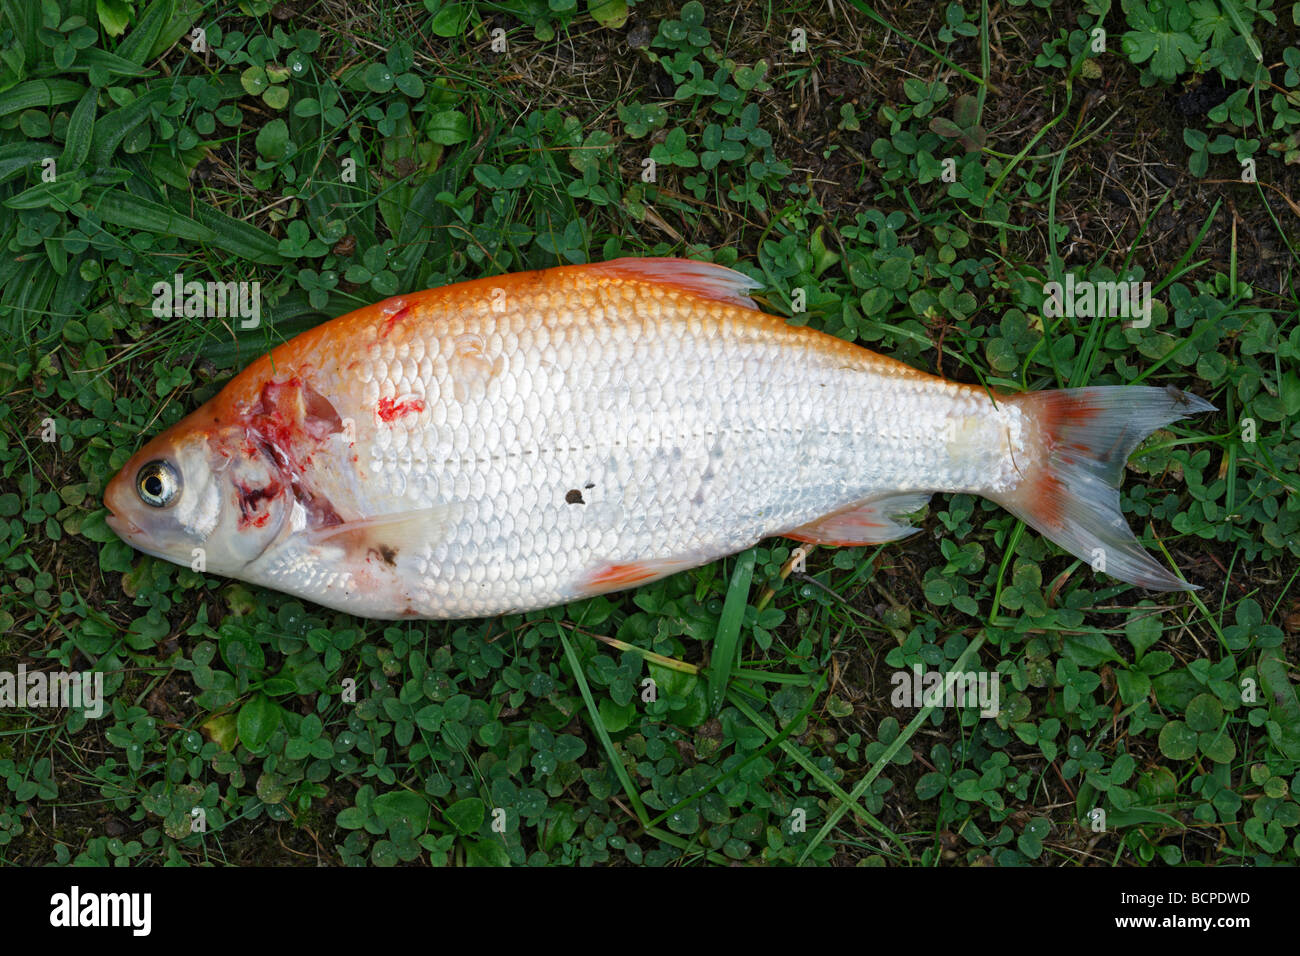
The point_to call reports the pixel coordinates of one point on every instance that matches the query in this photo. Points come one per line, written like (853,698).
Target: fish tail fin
(1070,492)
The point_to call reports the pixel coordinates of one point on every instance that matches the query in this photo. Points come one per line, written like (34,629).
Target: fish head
(202,494)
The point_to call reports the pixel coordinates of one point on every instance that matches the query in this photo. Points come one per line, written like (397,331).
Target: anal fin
(866,522)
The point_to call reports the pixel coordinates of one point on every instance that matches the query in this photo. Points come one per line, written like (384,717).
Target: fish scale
(518,442)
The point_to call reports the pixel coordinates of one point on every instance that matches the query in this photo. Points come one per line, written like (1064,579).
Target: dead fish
(525,440)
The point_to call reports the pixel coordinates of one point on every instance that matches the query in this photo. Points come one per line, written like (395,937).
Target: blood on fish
(250,499)
(387,409)
(286,424)
(394,319)
(284,407)
(271,421)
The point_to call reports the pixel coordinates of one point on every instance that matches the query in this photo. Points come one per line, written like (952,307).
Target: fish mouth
(132,534)
(125,528)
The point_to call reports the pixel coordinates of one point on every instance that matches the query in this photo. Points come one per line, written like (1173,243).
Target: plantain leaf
(608,13)
(1284,707)
(121,208)
(139,42)
(182,17)
(112,64)
(238,237)
(76,144)
(58,193)
(35,94)
(113,127)
(16,157)
(114,15)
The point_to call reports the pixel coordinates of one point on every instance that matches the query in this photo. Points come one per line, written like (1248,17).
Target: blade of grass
(1234,13)
(598,725)
(1007,552)
(766,677)
(728,638)
(670,662)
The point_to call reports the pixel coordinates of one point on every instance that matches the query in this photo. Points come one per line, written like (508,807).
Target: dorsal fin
(705,279)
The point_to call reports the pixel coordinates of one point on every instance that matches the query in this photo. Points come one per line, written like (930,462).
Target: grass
(910,180)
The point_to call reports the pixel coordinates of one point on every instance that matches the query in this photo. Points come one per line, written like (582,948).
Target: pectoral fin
(389,535)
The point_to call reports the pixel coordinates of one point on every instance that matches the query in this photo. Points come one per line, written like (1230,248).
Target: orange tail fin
(1071,492)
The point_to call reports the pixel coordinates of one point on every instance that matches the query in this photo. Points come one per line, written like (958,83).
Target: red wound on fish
(253,512)
(290,419)
(393,319)
(387,409)
(295,403)
(287,425)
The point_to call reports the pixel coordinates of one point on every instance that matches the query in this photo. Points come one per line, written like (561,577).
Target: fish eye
(157,483)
